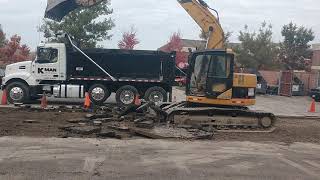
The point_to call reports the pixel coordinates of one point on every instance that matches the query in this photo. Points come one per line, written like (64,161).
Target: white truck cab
(23,77)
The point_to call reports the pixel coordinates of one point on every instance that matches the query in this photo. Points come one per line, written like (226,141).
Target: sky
(156,20)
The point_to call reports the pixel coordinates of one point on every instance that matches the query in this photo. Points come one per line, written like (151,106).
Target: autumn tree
(295,48)
(129,39)
(175,43)
(2,37)
(257,50)
(87,26)
(13,51)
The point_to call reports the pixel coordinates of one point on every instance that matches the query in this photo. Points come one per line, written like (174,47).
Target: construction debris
(84,130)
(30,121)
(147,120)
(78,120)
(145,124)
(107,134)
(97,123)
(164,132)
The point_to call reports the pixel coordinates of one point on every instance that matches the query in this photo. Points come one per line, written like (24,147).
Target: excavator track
(221,119)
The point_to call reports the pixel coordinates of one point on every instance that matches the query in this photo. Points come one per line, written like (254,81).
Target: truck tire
(17,92)
(99,94)
(126,95)
(156,94)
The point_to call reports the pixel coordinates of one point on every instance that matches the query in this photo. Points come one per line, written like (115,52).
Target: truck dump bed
(122,64)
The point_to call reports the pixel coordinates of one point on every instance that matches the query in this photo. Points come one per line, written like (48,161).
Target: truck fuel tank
(68,91)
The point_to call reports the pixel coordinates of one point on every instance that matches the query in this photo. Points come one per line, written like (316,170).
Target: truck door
(46,66)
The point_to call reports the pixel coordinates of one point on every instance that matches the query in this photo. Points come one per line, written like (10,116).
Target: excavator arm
(209,23)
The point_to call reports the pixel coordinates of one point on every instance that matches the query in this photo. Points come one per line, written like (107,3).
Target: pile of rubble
(147,120)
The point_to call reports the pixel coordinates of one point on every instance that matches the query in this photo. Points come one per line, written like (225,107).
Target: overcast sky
(155,20)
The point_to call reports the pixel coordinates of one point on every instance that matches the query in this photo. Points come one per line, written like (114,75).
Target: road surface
(51,158)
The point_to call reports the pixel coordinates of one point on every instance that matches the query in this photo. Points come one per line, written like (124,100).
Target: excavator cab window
(211,73)
(219,66)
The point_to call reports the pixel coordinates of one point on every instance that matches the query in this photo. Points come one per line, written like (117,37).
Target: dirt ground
(48,124)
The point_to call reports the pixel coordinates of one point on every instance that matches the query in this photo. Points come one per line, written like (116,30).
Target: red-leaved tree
(2,38)
(129,39)
(175,44)
(13,51)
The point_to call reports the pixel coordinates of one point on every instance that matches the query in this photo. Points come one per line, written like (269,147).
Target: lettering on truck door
(46,66)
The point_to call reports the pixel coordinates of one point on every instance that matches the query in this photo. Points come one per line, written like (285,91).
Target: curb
(299,117)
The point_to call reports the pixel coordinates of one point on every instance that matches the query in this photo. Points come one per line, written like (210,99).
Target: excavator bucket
(57,9)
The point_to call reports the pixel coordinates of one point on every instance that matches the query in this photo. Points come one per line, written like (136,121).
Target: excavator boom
(201,14)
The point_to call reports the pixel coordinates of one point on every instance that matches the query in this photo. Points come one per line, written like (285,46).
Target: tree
(13,51)
(175,43)
(257,49)
(295,48)
(2,37)
(87,26)
(204,36)
(129,39)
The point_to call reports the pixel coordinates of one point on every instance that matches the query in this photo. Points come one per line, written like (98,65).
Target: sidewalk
(286,106)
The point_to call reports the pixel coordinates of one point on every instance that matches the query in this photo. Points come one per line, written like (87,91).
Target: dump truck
(63,70)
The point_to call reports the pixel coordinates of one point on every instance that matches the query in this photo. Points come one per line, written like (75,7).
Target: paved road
(33,158)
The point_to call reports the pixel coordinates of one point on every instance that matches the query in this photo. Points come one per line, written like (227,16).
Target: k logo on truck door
(49,70)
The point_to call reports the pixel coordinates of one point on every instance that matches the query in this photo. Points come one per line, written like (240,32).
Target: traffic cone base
(137,100)
(4,99)
(313,106)
(87,102)
(44,102)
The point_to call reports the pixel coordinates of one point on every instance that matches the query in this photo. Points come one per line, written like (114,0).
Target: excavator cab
(211,74)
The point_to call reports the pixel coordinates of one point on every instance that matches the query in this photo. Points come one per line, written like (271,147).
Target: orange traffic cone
(87,102)
(44,101)
(4,99)
(137,100)
(313,106)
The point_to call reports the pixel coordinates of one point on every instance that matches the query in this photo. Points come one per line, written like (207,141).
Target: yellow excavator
(216,95)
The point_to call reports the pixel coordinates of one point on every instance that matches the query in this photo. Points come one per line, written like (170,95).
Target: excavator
(215,94)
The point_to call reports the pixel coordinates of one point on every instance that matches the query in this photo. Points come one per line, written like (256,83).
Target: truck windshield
(47,55)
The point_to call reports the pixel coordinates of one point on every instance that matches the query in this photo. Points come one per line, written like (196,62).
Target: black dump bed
(122,64)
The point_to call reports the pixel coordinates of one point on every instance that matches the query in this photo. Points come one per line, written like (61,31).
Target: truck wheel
(18,93)
(126,95)
(99,94)
(156,94)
